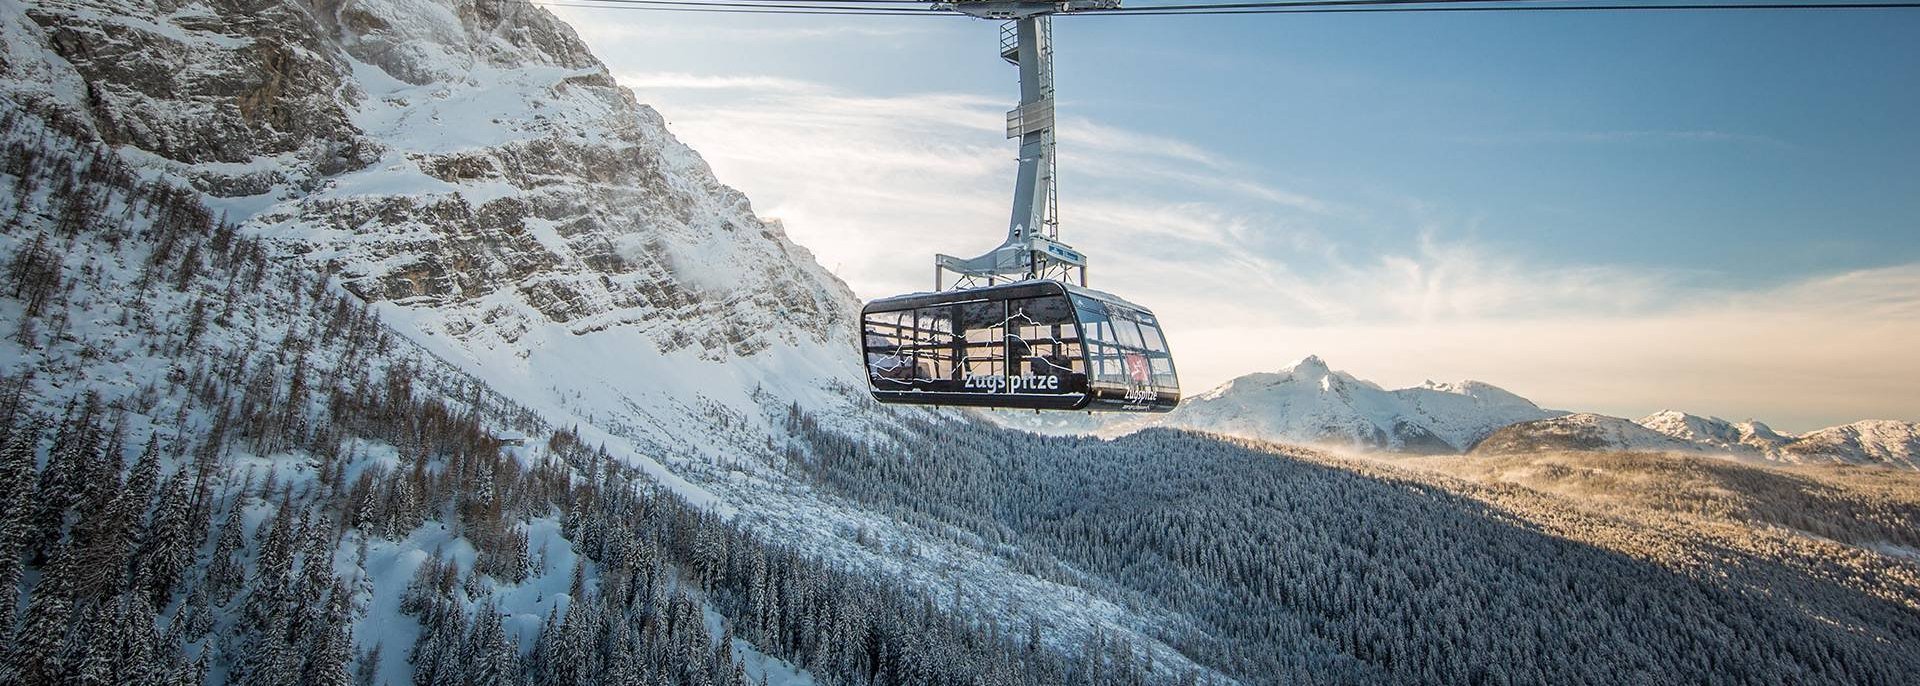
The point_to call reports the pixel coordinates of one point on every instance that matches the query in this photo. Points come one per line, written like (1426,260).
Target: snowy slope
(153,334)
(1581,431)
(1465,412)
(1748,437)
(1871,442)
(1307,402)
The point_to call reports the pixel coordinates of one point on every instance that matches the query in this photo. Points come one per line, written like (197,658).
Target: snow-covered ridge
(1748,436)
(1310,402)
(1874,441)
(1870,442)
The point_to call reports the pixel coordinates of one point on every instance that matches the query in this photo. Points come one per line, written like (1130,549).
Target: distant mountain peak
(1745,438)
(1310,402)
(1872,442)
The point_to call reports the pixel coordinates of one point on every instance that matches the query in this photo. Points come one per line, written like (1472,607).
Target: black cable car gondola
(1035,344)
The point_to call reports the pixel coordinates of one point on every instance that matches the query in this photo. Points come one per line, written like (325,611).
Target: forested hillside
(1296,566)
(1871,508)
(217,467)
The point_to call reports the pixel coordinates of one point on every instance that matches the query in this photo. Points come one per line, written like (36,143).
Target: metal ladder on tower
(1017,117)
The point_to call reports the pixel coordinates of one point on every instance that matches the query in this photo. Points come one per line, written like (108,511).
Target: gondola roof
(1017,289)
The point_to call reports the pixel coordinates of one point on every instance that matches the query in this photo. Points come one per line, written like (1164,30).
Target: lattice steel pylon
(1032,249)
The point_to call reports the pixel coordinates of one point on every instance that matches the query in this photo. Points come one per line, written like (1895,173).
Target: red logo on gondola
(1137,368)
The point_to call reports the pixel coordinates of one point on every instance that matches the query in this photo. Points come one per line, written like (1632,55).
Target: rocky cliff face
(467,156)
(472,170)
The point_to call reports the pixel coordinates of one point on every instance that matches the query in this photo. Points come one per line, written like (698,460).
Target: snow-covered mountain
(1309,402)
(1748,437)
(1871,442)
(1887,442)
(470,167)
(1464,412)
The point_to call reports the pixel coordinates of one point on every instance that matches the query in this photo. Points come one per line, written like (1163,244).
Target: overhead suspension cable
(1407,6)
(823,10)
(931,7)
(923,8)
(935,6)
(850,5)
(1294,3)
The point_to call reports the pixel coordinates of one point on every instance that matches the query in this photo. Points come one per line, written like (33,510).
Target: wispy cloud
(875,184)
(1890,294)
(1640,136)
(1248,276)
(851,174)
(655,81)
(1084,132)
(1094,149)
(589,22)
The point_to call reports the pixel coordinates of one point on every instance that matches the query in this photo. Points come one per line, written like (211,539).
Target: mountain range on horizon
(1309,402)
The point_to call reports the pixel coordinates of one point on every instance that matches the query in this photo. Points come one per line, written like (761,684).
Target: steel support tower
(1032,249)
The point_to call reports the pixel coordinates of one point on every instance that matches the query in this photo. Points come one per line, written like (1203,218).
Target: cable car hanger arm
(928,8)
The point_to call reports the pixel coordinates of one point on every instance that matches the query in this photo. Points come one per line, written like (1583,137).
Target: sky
(1711,212)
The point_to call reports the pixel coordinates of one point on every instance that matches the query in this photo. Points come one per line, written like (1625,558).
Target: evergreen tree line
(150,575)
(1296,571)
